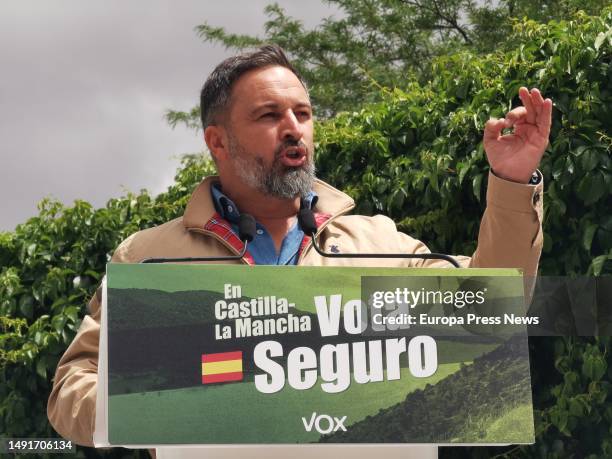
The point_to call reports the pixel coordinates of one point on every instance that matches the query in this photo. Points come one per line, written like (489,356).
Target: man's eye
(303,114)
(269,115)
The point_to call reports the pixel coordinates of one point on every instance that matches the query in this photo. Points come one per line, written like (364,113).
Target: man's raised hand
(517,155)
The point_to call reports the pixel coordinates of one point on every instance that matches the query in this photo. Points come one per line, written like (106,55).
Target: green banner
(216,354)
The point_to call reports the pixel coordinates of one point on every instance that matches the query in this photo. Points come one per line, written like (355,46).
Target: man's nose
(291,127)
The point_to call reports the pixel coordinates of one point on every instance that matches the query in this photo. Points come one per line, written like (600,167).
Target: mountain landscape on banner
(173,327)
(454,409)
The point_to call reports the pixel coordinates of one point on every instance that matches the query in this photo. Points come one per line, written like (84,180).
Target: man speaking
(258,126)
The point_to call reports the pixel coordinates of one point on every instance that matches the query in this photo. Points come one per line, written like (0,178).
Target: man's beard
(277,180)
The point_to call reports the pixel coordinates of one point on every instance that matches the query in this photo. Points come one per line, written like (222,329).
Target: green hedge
(418,158)
(51,265)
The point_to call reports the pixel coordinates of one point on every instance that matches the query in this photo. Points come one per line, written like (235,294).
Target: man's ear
(215,137)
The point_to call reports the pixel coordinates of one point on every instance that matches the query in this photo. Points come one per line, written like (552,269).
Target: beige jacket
(510,236)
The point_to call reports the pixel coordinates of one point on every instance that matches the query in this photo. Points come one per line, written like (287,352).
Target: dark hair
(216,92)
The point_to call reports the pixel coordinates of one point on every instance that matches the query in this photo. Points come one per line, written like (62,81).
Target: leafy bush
(51,265)
(417,157)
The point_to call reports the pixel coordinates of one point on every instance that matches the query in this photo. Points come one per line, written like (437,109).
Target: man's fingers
(515,115)
(545,117)
(536,96)
(528,104)
(493,128)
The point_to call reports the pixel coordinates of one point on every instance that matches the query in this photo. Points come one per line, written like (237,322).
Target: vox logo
(324,423)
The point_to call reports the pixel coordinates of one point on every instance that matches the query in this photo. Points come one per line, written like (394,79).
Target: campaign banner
(225,354)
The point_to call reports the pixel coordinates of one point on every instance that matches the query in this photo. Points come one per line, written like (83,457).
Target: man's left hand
(516,156)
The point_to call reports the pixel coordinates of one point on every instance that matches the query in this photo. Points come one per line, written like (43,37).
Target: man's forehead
(264,85)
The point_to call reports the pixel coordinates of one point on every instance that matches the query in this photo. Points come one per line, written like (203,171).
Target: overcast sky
(84,87)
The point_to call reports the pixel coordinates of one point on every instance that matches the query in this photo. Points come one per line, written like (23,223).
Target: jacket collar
(200,208)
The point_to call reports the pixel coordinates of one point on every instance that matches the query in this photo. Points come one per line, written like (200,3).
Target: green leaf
(576,408)
(559,419)
(558,168)
(41,368)
(589,159)
(592,187)
(26,306)
(597,264)
(72,313)
(587,236)
(464,168)
(58,322)
(476,185)
(594,367)
(398,198)
(601,36)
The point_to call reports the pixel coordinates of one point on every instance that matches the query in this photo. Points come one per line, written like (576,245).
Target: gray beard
(277,181)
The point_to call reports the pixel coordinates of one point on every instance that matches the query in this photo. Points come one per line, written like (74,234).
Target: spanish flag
(221,367)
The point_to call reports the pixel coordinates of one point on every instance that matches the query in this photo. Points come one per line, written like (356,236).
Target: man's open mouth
(294,156)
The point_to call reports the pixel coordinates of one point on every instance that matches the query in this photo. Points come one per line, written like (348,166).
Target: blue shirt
(262,247)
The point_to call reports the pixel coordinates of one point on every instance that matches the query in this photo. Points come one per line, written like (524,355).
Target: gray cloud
(84,86)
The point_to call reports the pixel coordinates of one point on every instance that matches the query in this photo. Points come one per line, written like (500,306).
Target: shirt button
(260,232)
(536,198)
(230,209)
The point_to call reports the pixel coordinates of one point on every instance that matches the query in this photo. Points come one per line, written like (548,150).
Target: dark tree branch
(437,11)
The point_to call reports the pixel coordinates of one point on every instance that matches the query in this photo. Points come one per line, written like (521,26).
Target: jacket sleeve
(510,233)
(72,404)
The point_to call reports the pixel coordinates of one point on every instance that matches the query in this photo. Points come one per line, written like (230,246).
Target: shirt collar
(228,210)
(200,207)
